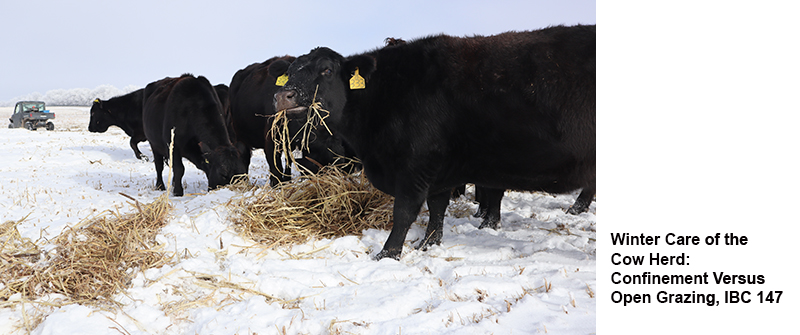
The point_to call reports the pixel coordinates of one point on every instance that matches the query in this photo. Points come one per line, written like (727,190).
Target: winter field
(535,275)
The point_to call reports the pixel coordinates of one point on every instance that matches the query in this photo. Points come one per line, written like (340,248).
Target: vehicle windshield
(32,107)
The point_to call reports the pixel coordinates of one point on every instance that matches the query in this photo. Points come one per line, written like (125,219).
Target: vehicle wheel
(29,126)
(49,126)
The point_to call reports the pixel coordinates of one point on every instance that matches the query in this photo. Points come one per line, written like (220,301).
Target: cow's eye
(326,72)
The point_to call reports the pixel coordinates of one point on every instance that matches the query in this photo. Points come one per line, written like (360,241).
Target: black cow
(124,111)
(252,111)
(190,106)
(510,111)
(223,93)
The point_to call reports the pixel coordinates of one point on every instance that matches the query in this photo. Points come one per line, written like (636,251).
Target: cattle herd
(513,111)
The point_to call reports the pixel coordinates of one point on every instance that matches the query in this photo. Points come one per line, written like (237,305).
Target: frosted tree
(74,96)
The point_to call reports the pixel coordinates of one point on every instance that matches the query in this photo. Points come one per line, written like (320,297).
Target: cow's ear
(204,148)
(98,102)
(278,68)
(364,63)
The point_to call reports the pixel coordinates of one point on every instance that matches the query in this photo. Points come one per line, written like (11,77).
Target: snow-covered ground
(535,275)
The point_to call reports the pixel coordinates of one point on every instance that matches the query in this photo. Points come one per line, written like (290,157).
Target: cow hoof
(393,254)
(144,158)
(488,224)
(575,210)
(424,244)
(160,187)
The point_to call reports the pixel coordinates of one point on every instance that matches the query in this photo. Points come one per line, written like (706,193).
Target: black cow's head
(276,73)
(221,165)
(321,76)
(100,118)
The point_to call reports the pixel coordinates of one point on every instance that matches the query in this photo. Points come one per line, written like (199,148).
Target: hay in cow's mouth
(296,112)
(282,137)
(328,204)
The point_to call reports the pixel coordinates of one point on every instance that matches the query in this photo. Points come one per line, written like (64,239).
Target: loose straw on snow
(91,262)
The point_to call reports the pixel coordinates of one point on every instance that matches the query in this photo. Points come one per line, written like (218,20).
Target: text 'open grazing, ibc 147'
(641,278)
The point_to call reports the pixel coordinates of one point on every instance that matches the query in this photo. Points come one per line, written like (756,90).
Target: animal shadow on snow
(116,154)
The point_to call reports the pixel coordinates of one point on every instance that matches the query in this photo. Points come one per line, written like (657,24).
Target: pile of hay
(328,204)
(14,249)
(91,262)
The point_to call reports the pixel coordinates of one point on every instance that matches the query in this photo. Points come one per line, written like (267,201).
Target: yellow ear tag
(357,82)
(282,80)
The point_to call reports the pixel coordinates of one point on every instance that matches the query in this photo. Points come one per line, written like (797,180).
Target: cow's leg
(437,205)
(406,208)
(135,147)
(458,191)
(245,153)
(481,213)
(286,174)
(158,160)
(490,200)
(177,174)
(274,161)
(309,165)
(583,201)
(274,172)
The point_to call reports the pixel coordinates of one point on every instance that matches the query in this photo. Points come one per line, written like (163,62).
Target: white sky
(50,45)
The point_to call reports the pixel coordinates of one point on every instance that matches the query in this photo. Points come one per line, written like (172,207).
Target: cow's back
(515,110)
(538,108)
(155,116)
(186,103)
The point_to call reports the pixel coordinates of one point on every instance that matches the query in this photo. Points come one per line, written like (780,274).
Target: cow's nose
(285,100)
